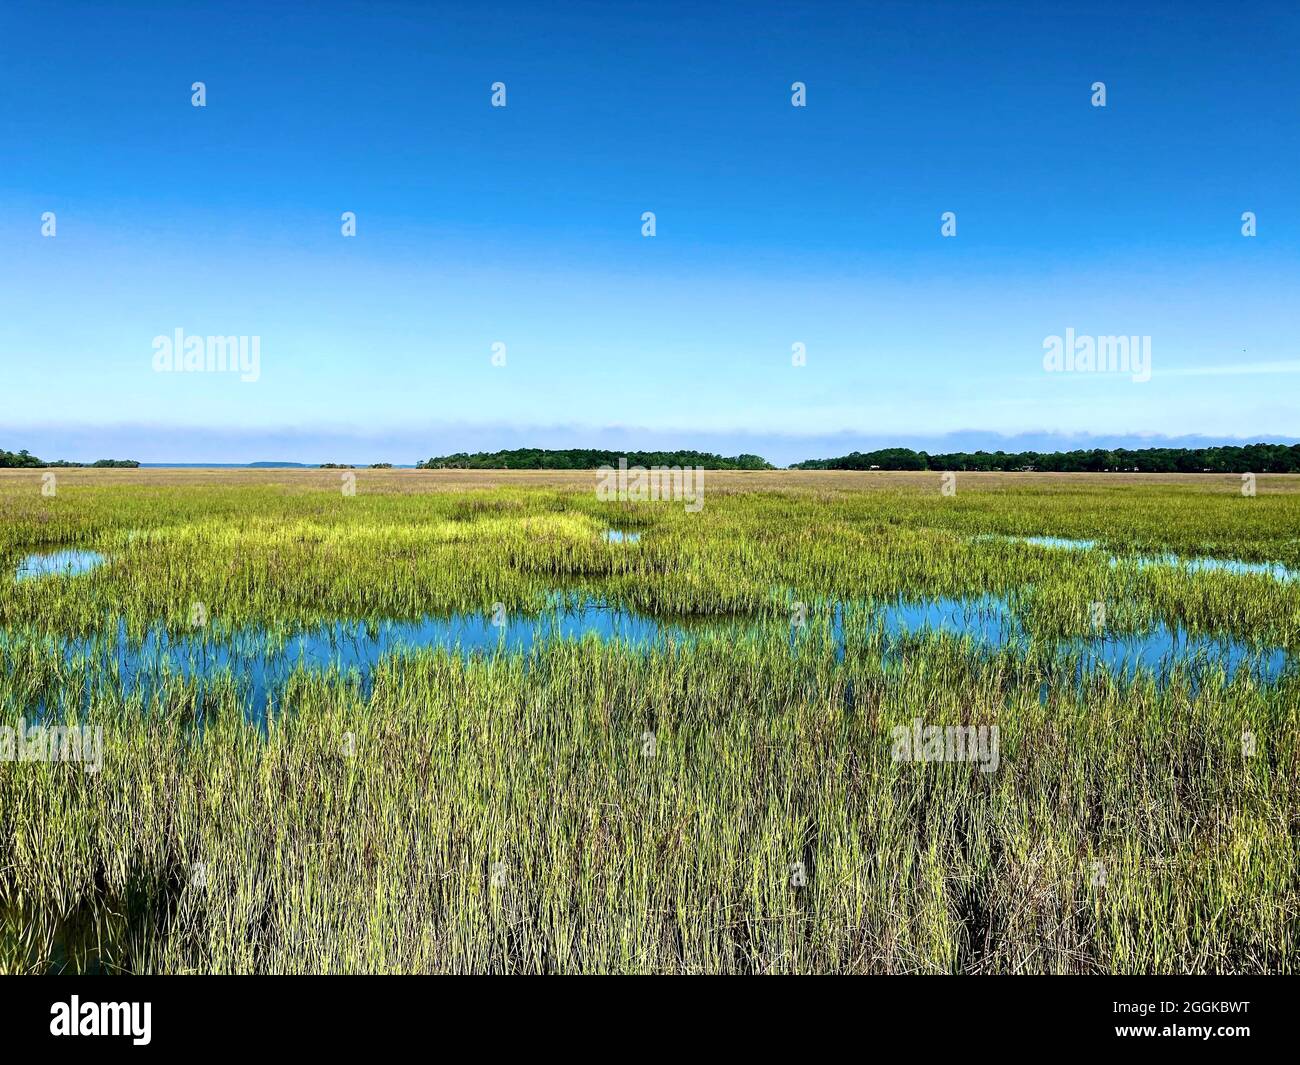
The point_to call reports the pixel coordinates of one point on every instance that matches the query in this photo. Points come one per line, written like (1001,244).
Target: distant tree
(588,459)
(25,460)
(1256,458)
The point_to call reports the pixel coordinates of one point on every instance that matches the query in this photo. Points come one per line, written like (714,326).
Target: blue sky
(521,225)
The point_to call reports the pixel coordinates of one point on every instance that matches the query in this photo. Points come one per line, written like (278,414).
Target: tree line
(1250,458)
(532,458)
(23,460)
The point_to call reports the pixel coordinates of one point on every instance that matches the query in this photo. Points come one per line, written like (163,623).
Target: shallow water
(1276,570)
(991,622)
(988,619)
(1060,542)
(261,665)
(621,536)
(1162,648)
(66,563)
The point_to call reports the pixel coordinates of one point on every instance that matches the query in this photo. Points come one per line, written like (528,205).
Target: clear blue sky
(522,224)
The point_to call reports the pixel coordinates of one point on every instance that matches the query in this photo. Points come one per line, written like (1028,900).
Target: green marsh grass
(593,807)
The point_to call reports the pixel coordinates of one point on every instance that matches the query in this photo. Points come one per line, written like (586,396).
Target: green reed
(720,804)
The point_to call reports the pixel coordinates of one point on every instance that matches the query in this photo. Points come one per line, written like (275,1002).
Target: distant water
(252,466)
(1059,542)
(1276,570)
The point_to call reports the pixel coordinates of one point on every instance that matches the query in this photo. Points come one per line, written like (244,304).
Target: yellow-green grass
(595,807)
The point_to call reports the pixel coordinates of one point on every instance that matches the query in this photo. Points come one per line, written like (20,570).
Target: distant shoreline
(262,466)
(1230,459)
